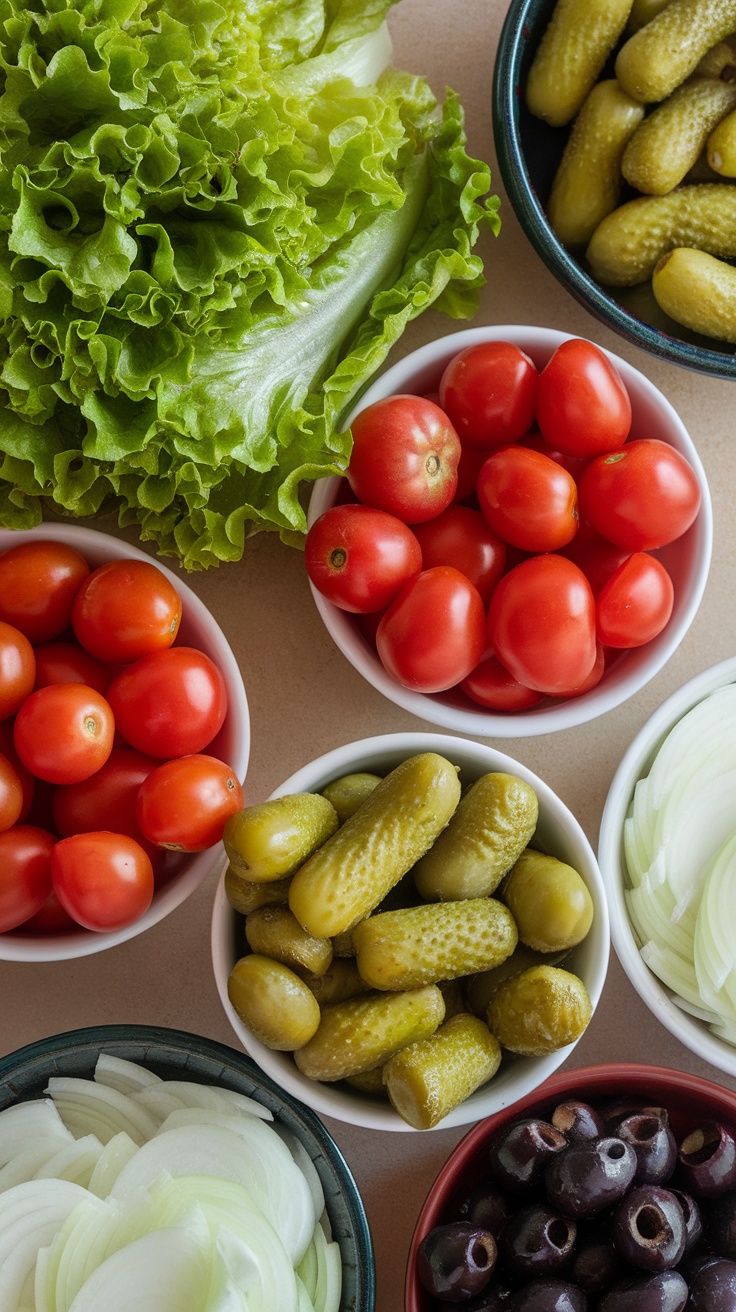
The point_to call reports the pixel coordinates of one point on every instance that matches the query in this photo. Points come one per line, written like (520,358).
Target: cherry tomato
(183,804)
(17,669)
(472,460)
(636,602)
(583,407)
(7,747)
(491,685)
(641,497)
(104,881)
(38,583)
(433,634)
(489,392)
(573,464)
(593,679)
(64,732)
(595,556)
(25,875)
(169,704)
(541,624)
(461,537)
(11,794)
(359,558)
(67,662)
(405,457)
(528,499)
(126,609)
(51,919)
(107,800)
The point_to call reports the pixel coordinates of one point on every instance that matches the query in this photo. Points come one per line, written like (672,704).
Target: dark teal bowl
(174,1055)
(529,151)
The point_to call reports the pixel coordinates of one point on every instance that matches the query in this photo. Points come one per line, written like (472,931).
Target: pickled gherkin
(493,823)
(626,247)
(480,988)
(658,57)
(354,870)
(269,841)
(244,895)
(355,1036)
(273,1002)
(549,901)
(349,792)
(436,941)
(698,291)
(669,141)
(539,1011)
(428,1079)
(276,932)
(370,1082)
(340,981)
(580,36)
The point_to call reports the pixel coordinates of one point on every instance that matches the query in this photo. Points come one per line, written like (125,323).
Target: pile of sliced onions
(680,848)
(129,1193)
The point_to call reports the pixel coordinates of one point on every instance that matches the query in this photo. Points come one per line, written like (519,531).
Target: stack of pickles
(403,933)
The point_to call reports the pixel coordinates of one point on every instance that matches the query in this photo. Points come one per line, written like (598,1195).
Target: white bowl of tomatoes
(124,719)
(523,537)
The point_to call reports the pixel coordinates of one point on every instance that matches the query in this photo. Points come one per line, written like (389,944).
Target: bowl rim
(18,946)
(563,714)
(533,220)
(371,1114)
(691,1032)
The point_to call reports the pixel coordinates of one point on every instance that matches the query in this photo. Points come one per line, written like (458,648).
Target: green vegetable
(216,217)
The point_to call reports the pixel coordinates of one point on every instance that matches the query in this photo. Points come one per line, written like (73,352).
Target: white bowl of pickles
(412,932)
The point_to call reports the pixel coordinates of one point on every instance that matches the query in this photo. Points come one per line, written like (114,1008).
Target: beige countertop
(305,699)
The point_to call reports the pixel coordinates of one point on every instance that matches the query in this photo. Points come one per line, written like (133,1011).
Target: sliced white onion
(163,1271)
(30,1216)
(75,1161)
(90,1108)
(125,1076)
(23,1124)
(115,1155)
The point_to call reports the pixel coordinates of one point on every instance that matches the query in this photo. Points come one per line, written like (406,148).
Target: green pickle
(339,982)
(669,141)
(244,895)
(549,901)
(349,792)
(270,841)
(437,941)
(626,247)
(578,40)
(659,57)
(493,823)
(275,1004)
(698,291)
(370,1082)
(721,147)
(355,1036)
(428,1079)
(276,932)
(539,1011)
(479,989)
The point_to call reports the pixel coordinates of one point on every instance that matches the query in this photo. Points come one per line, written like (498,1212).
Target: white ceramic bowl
(635,764)
(198,629)
(560,834)
(687,560)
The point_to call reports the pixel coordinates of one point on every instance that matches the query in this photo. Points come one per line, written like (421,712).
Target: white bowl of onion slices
(667,852)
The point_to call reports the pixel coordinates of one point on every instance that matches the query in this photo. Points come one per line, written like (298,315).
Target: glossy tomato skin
(67,662)
(126,609)
(528,499)
(573,464)
(11,794)
(596,556)
(38,583)
(541,624)
(583,407)
(7,747)
(472,460)
(104,881)
(171,703)
(25,873)
(593,679)
(64,732)
(489,392)
(640,497)
(405,458)
(183,804)
(17,669)
(433,634)
(360,558)
(461,537)
(51,919)
(491,685)
(635,603)
(107,800)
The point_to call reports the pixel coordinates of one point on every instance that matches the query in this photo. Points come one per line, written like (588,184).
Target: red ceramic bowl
(689,1100)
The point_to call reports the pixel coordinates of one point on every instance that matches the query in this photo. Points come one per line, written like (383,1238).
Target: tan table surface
(305,699)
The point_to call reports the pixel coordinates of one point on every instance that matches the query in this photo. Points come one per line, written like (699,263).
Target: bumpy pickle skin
(578,40)
(628,244)
(479,989)
(549,901)
(643,11)
(354,870)
(370,1082)
(719,61)
(587,184)
(276,932)
(341,981)
(355,1036)
(659,57)
(429,1079)
(245,896)
(269,841)
(349,792)
(539,1011)
(493,822)
(273,1002)
(437,941)
(669,141)
(698,291)
(721,147)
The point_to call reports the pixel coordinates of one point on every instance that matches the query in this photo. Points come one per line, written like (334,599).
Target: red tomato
(11,794)
(635,603)
(126,609)
(641,497)
(573,464)
(489,392)
(528,499)
(433,634)
(7,747)
(169,704)
(17,669)
(107,800)
(104,881)
(593,679)
(38,583)
(359,558)
(541,624)
(583,407)
(405,457)
(595,556)
(461,537)
(67,662)
(51,919)
(64,732)
(472,460)
(25,875)
(491,685)
(183,804)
